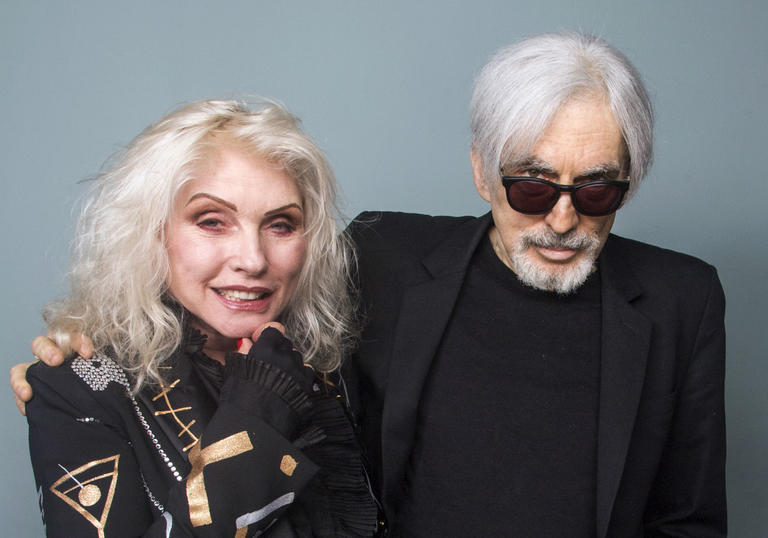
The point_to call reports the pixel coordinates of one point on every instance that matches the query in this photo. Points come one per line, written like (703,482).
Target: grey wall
(384,87)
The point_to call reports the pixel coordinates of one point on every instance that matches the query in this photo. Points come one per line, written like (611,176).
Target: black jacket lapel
(425,310)
(625,344)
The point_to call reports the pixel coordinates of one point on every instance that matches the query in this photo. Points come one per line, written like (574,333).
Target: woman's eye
(210,224)
(282,226)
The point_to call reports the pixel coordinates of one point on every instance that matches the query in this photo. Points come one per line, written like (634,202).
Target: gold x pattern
(185,428)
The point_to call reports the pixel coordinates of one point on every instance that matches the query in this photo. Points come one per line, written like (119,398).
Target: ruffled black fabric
(348,495)
(193,340)
(270,378)
(192,345)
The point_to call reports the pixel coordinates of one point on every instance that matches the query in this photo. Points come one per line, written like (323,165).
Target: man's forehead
(581,120)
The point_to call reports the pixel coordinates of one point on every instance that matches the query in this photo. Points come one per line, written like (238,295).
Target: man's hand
(46,350)
(22,392)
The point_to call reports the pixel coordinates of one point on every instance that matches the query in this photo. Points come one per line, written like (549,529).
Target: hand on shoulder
(51,352)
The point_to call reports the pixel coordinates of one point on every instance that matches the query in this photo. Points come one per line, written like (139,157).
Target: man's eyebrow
(282,208)
(532,163)
(610,170)
(223,202)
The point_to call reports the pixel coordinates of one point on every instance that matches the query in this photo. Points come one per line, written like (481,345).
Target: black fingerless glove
(271,381)
(275,349)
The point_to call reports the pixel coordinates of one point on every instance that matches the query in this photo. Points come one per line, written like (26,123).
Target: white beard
(563,279)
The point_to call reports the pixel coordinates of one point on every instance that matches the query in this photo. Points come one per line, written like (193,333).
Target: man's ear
(477,173)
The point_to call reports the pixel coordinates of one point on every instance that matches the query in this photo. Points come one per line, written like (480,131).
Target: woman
(215,224)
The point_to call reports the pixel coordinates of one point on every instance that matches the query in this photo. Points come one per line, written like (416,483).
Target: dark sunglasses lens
(531,196)
(597,200)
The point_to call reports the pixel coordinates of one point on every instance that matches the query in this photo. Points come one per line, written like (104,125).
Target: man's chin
(561,278)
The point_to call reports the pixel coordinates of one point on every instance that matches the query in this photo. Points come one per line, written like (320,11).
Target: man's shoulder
(377,230)
(659,268)
(644,255)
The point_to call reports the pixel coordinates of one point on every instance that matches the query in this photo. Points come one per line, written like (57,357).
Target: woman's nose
(249,254)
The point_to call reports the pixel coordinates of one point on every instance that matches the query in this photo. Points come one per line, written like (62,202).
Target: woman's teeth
(237,295)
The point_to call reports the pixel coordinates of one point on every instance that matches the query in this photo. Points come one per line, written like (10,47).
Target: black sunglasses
(535,196)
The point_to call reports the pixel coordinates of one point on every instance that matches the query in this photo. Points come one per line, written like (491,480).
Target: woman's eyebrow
(282,208)
(223,202)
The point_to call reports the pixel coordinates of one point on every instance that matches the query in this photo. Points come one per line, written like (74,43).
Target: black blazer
(661,429)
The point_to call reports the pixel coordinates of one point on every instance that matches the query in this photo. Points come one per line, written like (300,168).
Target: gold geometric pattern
(288,465)
(83,490)
(197,497)
(170,410)
(89,495)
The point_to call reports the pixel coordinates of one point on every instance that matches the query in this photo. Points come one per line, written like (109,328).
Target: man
(526,373)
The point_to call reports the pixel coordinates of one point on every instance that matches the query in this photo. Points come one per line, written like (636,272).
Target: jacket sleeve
(88,478)
(688,497)
(244,474)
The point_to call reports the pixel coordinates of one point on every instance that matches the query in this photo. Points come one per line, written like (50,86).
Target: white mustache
(572,240)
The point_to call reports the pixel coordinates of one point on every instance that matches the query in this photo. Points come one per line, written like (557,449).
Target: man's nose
(563,217)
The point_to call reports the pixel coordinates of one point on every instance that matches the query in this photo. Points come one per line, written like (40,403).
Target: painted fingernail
(239,344)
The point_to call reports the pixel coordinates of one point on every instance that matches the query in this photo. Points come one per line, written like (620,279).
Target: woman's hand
(46,350)
(274,348)
(244,344)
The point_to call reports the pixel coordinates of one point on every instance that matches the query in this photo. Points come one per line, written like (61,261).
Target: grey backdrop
(384,87)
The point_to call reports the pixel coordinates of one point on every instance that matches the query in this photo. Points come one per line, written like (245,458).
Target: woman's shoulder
(78,385)
(96,373)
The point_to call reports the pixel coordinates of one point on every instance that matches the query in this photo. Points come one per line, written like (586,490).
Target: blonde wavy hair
(119,294)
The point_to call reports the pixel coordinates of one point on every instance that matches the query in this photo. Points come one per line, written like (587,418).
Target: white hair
(523,86)
(119,279)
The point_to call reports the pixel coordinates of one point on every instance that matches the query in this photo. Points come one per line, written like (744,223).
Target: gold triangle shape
(80,490)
